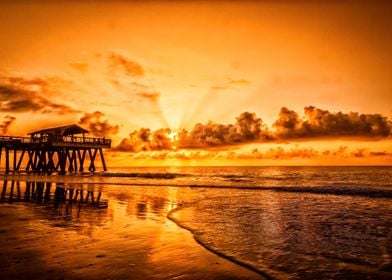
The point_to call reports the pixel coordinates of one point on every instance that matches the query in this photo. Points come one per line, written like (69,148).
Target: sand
(131,239)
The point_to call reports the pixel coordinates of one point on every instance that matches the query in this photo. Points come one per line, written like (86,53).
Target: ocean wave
(265,272)
(283,258)
(147,175)
(187,180)
(332,190)
(354,191)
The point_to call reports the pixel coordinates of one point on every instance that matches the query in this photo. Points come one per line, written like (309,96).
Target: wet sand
(130,239)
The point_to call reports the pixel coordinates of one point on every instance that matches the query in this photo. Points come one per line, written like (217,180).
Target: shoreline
(123,241)
(212,250)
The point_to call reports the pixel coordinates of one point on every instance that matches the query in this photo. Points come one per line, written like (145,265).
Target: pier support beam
(7,161)
(102,160)
(20,160)
(92,159)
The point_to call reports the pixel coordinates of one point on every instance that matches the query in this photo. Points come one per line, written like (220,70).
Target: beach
(130,239)
(198,223)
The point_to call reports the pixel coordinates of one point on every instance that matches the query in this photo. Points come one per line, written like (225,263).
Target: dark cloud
(27,82)
(6,123)
(360,153)
(130,67)
(145,140)
(340,152)
(343,152)
(288,124)
(247,128)
(18,94)
(152,96)
(380,154)
(136,141)
(322,123)
(98,126)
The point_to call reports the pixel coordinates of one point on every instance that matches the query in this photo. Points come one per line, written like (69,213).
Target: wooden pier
(59,149)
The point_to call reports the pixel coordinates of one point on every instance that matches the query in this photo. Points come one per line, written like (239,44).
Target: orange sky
(158,64)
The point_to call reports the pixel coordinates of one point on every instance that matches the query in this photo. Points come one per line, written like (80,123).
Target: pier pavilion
(59,149)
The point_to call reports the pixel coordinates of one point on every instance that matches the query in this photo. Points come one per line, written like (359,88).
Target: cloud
(343,152)
(145,140)
(19,94)
(322,123)
(360,153)
(130,67)
(230,83)
(241,82)
(219,87)
(153,97)
(96,125)
(6,123)
(277,153)
(380,154)
(248,128)
(127,77)
(80,66)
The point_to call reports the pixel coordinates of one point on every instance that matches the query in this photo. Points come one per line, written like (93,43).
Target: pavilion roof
(61,130)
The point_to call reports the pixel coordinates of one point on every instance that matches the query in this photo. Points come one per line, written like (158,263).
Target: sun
(173,138)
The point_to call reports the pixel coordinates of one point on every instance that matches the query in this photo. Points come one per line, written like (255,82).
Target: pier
(59,149)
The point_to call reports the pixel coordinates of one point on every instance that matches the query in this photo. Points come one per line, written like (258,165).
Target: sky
(204,82)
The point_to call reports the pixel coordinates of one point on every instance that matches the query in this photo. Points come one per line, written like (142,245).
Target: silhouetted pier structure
(57,149)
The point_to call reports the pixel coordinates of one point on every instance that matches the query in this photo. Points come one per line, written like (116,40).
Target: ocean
(281,222)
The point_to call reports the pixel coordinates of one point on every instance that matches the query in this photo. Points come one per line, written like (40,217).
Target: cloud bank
(248,128)
(322,123)
(277,153)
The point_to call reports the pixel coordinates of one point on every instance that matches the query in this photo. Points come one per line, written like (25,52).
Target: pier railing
(15,139)
(77,140)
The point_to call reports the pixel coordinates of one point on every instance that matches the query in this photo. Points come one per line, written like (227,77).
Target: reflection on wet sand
(16,191)
(84,231)
(63,198)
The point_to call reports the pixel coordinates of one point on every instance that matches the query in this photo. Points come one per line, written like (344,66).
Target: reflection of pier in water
(45,193)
